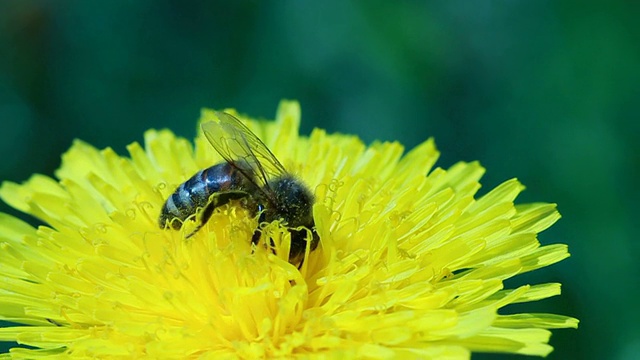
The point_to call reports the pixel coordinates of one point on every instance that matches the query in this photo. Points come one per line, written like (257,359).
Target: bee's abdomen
(196,191)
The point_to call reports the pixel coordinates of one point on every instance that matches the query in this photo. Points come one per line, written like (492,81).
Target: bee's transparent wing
(241,148)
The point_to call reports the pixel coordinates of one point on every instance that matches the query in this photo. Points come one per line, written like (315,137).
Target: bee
(251,174)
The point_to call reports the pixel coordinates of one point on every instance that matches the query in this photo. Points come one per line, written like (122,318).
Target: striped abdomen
(195,193)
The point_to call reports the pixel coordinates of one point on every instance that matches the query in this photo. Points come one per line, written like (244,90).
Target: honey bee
(251,174)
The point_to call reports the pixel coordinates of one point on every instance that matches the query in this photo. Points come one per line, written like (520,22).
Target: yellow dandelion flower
(410,263)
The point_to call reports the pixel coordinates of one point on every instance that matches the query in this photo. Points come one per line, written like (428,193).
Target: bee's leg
(216,200)
(256,234)
(205,215)
(299,244)
(256,238)
(315,238)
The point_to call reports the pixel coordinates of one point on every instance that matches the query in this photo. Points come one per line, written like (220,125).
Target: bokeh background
(546,91)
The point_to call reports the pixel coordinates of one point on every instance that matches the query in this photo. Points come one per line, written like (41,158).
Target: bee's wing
(240,147)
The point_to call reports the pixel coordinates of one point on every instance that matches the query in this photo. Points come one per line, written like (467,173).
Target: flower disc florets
(410,263)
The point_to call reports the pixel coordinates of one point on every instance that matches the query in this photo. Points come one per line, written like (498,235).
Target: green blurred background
(546,91)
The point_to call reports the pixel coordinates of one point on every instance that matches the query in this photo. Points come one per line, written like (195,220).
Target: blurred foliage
(543,90)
